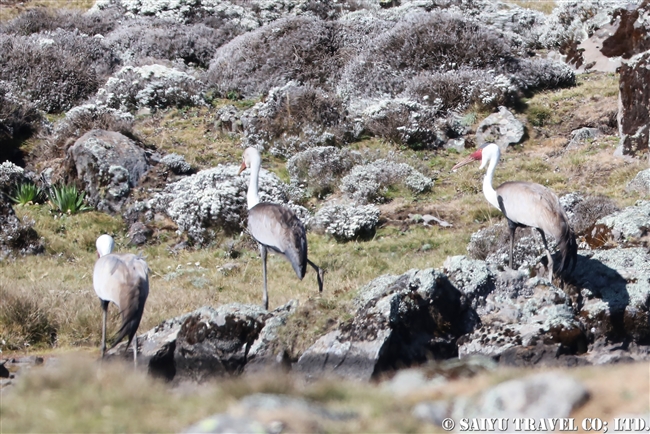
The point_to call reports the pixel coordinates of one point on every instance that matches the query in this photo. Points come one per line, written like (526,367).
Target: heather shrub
(294,118)
(304,49)
(433,42)
(583,212)
(347,222)
(37,20)
(403,122)
(55,70)
(370,182)
(320,169)
(535,74)
(152,86)
(158,39)
(19,120)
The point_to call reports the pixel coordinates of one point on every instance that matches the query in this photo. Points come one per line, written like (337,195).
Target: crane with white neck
(526,204)
(275,227)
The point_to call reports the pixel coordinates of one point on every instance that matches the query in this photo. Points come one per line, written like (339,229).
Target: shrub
(37,20)
(67,199)
(55,70)
(320,169)
(347,222)
(26,193)
(433,42)
(19,120)
(294,118)
(145,38)
(153,86)
(369,182)
(304,49)
(24,320)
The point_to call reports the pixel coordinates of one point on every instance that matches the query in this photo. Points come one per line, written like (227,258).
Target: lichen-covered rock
(400,321)
(150,86)
(108,164)
(346,221)
(640,183)
(10,175)
(216,199)
(366,183)
(176,163)
(16,236)
(629,224)
(501,128)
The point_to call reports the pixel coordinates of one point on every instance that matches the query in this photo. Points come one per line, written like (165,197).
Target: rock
(226,424)
(579,136)
(634,103)
(545,395)
(139,233)
(629,224)
(501,128)
(108,165)
(176,164)
(16,236)
(400,321)
(211,342)
(640,183)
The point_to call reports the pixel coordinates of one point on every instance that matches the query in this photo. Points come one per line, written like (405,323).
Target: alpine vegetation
(346,221)
(369,182)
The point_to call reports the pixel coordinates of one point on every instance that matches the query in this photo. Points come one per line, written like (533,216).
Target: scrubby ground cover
(48,305)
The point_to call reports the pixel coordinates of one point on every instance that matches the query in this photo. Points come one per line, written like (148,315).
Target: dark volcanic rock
(108,164)
(400,321)
(634,105)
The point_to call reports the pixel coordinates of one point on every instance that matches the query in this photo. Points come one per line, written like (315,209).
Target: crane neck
(252,196)
(488,191)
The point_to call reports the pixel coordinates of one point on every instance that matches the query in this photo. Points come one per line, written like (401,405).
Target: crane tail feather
(568,251)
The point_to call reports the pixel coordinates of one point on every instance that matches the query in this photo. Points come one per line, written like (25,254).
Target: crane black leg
(513,227)
(319,275)
(104,304)
(265,297)
(548,254)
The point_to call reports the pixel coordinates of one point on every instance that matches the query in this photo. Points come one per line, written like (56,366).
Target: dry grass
(545,6)
(10,9)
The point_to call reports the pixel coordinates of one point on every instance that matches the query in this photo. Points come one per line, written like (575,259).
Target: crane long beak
(464,162)
(241,168)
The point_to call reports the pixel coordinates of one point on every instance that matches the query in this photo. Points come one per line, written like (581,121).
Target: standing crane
(275,227)
(527,204)
(124,280)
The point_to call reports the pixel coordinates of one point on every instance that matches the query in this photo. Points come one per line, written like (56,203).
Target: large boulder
(501,128)
(400,321)
(108,165)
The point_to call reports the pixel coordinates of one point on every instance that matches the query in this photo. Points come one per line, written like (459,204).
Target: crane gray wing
(279,229)
(533,205)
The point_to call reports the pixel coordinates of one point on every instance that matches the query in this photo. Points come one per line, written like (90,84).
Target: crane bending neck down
(526,204)
(275,227)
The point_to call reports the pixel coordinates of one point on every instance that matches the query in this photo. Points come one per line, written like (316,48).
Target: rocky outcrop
(108,165)
(640,183)
(634,103)
(501,128)
(400,321)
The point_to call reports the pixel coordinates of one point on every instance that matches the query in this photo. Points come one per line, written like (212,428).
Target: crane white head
(251,159)
(486,153)
(104,245)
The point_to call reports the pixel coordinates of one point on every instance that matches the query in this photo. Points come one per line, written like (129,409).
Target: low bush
(296,117)
(304,49)
(19,120)
(37,20)
(150,86)
(55,70)
(370,182)
(320,169)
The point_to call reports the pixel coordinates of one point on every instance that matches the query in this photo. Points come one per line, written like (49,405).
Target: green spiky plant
(27,193)
(67,199)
